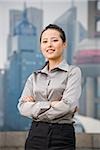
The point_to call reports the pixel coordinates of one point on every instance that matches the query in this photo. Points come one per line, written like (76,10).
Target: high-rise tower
(88,58)
(24,58)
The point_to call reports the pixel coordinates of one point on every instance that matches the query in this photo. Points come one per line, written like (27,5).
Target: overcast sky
(52,10)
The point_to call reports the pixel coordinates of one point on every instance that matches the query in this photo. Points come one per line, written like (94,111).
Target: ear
(65,45)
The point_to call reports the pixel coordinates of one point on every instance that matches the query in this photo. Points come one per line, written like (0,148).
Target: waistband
(36,123)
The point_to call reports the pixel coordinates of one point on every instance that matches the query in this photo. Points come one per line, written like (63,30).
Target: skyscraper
(68,22)
(16,17)
(88,58)
(2,71)
(24,58)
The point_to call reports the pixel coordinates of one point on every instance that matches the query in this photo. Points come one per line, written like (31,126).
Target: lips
(50,50)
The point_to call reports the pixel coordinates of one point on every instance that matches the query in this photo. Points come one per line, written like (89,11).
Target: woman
(50,96)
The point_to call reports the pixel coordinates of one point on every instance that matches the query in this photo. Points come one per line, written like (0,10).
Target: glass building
(68,22)
(88,58)
(23,58)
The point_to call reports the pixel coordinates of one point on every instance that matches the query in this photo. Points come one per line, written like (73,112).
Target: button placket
(48,83)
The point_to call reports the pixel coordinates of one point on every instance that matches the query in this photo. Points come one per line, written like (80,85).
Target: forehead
(50,33)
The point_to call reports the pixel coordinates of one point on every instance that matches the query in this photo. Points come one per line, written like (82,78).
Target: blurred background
(21,23)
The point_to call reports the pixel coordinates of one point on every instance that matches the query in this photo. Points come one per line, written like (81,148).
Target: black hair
(55,27)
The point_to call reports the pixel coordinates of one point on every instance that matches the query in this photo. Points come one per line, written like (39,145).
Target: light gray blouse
(62,84)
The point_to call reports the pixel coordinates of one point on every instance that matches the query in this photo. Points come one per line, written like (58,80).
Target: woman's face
(52,45)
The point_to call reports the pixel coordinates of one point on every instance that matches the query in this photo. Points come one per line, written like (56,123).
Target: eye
(55,40)
(45,41)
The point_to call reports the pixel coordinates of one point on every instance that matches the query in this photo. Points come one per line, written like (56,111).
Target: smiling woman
(50,96)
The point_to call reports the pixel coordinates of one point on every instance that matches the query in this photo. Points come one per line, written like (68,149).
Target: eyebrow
(51,38)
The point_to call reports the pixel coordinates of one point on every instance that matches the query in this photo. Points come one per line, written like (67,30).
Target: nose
(49,43)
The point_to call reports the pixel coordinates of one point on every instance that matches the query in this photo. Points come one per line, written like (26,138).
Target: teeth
(50,50)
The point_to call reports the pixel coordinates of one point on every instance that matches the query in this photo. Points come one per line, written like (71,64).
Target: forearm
(57,109)
(26,108)
(33,109)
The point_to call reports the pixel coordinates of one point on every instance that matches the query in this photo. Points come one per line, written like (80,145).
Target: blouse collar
(63,65)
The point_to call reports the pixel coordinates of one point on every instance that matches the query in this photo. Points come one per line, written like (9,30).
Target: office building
(69,23)
(2,71)
(23,58)
(88,58)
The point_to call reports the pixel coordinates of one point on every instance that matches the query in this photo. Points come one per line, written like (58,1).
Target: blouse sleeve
(27,105)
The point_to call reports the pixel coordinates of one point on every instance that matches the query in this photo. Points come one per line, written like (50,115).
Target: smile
(50,50)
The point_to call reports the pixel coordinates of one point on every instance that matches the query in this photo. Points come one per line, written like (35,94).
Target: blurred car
(86,124)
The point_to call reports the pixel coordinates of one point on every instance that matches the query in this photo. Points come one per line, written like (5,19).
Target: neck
(53,63)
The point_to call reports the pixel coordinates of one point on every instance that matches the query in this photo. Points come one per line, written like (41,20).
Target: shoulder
(31,76)
(73,69)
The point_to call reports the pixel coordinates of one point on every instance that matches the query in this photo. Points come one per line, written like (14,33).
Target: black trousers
(47,136)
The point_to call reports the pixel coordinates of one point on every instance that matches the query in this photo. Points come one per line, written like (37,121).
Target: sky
(51,11)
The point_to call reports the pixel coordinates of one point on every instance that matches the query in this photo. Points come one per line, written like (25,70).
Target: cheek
(42,47)
(43,50)
(59,47)
(60,50)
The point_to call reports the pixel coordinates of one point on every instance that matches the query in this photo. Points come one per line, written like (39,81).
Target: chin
(51,58)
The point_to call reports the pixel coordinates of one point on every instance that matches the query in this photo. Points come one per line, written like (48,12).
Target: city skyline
(24,58)
(47,6)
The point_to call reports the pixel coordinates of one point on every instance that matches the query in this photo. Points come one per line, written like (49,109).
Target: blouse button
(48,82)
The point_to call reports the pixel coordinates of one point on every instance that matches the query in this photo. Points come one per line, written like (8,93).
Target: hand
(28,99)
(54,103)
